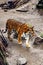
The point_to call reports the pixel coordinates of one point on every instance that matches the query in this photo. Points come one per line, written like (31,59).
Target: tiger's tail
(5,29)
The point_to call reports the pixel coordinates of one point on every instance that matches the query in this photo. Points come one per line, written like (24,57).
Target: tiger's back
(13,24)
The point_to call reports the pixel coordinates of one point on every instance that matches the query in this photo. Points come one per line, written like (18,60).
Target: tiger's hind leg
(9,33)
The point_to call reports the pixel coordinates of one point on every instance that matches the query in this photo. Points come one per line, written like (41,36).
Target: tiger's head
(29,29)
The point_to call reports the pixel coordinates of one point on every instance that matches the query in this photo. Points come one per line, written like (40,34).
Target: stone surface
(38,40)
(21,61)
(34,55)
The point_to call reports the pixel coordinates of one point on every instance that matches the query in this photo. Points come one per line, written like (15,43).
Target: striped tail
(6,28)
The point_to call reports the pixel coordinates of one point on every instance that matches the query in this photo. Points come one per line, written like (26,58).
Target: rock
(21,2)
(38,40)
(3,60)
(21,61)
(13,4)
(22,10)
(5,10)
(40,4)
(3,39)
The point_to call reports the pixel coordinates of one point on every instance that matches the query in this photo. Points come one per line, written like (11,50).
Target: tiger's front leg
(19,38)
(27,42)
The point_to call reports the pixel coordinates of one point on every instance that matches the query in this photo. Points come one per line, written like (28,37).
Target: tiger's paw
(20,43)
(11,39)
(28,45)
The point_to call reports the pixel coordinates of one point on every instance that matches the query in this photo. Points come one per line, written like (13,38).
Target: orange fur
(19,27)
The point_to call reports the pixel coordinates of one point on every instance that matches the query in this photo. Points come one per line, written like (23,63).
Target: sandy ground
(34,55)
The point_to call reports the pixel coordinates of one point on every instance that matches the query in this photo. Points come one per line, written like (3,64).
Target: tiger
(20,28)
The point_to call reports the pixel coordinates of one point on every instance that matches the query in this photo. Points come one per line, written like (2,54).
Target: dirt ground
(34,55)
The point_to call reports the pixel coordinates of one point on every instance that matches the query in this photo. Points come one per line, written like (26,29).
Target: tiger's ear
(32,26)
